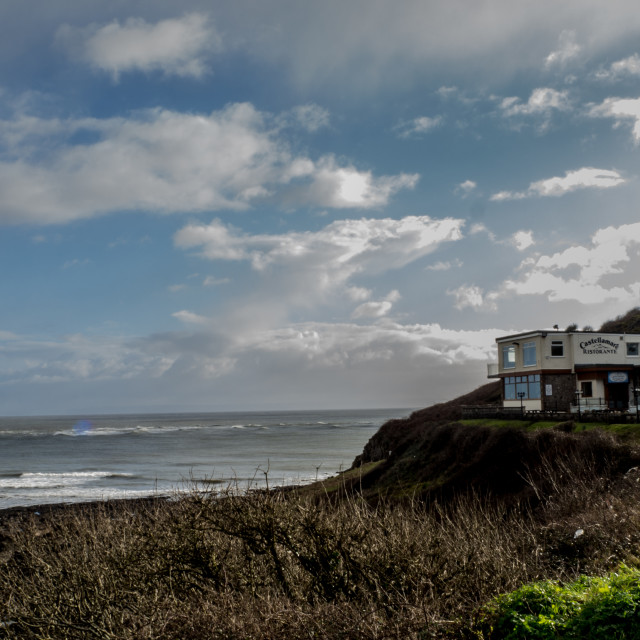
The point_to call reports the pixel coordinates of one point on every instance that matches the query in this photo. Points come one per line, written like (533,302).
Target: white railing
(492,370)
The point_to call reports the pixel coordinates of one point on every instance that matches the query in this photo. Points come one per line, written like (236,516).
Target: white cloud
(177,46)
(630,65)
(585,178)
(311,117)
(374,245)
(468,296)
(393,363)
(337,346)
(417,126)
(522,240)
(621,110)
(627,66)
(313,267)
(358,294)
(444,266)
(164,161)
(189,317)
(76,357)
(604,271)
(211,281)
(568,49)
(541,102)
(376,309)
(372,310)
(466,187)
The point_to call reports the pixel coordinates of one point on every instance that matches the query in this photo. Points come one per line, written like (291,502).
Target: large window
(529,385)
(529,354)
(509,357)
(632,349)
(557,349)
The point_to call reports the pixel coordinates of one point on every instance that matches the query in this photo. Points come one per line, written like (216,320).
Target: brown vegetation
(626,323)
(284,565)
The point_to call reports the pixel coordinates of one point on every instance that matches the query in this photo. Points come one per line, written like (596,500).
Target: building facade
(569,370)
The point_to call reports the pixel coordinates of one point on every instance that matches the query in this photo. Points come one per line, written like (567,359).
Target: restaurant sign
(599,346)
(617,376)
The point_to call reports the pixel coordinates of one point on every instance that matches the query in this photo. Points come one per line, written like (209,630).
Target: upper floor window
(557,349)
(509,357)
(529,354)
(632,349)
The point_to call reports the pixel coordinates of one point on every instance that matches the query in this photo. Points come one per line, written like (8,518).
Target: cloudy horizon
(262,206)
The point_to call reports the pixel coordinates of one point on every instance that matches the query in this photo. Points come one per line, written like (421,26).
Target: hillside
(438,459)
(433,453)
(626,323)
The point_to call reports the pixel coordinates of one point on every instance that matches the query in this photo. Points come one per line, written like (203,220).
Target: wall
(563,388)
(604,349)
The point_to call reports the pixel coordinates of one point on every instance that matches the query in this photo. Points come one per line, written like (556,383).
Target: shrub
(588,608)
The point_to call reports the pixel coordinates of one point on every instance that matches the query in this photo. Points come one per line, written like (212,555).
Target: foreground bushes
(262,565)
(587,609)
(278,565)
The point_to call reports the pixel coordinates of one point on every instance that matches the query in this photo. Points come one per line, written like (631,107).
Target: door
(618,396)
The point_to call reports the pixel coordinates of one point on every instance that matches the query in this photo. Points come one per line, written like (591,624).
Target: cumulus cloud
(626,67)
(542,101)
(177,46)
(622,110)
(605,270)
(468,296)
(585,178)
(417,126)
(522,240)
(567,50)
(377,309)
(54,171)
(466,188)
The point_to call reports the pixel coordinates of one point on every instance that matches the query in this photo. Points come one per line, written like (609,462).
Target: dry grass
(283,565)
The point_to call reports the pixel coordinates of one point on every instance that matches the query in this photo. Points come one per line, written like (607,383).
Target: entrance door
(618,396)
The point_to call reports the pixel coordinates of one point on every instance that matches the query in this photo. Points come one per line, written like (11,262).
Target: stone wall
(564,391)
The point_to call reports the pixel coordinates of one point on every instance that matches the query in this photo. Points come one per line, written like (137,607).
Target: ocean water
(74,459)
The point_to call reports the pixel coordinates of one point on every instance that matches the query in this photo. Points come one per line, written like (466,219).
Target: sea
(65,459)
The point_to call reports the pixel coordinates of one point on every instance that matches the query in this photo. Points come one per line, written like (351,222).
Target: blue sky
(276,204)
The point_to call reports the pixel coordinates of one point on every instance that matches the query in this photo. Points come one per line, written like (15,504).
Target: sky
(268,205)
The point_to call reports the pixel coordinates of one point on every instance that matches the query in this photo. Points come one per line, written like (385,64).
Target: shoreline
(53,509)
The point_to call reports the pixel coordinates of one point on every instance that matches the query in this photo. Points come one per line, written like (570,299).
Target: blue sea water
(74,459)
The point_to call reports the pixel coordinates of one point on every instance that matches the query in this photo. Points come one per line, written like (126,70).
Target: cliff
(433,455)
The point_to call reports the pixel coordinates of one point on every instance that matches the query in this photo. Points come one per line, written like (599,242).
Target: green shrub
(589,608)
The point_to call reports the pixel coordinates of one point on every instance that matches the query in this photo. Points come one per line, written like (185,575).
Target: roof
(546,332)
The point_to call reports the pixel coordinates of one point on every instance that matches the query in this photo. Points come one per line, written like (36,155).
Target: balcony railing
(492,370)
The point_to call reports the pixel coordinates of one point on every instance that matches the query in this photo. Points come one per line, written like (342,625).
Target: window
(509,357)
(632,349)
(529,385)
(557,349)
(587,389)
(529,354)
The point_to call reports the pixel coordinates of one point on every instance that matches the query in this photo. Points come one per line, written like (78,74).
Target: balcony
(492,370)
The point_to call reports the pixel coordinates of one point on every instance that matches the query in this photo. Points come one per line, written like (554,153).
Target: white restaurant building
(553,370)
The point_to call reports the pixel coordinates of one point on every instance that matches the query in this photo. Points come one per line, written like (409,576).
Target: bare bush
(274,564)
